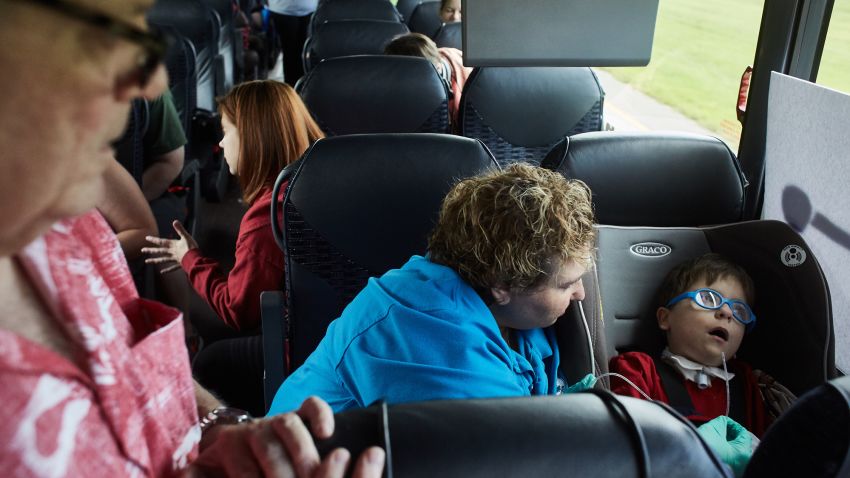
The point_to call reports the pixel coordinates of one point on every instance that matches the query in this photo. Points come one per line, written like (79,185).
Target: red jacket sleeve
(639,368)
(258,267)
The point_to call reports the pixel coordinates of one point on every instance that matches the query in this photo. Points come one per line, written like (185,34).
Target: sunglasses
(154,43)
(712,300)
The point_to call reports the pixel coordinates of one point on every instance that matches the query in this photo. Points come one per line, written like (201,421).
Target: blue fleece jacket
(420,333)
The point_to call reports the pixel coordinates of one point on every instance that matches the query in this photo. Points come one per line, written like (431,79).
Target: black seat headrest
(654,179)
(521,112)
(584,434)
(349,95)
(450,35)
(355,10)
(425,18)
(349,37)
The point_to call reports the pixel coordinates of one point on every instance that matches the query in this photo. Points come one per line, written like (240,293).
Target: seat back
(194,21)
(405,9)
(355,207)
(222,11)
(349,37)
(129,149)
(354,10)
(450,35)
(520,113)
(351,95)
(812,438)
(792,340)
(585,434)
(654,179)
(425,19)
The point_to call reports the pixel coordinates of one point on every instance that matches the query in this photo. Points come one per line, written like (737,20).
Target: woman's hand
(170,250)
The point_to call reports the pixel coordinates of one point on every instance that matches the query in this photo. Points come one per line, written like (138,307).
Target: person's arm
(124,207)
(639,369)
(163,170)
(280,446)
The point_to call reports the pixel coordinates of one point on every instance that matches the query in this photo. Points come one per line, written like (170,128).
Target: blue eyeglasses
(712,300)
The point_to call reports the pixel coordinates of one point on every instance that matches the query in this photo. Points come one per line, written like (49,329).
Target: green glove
(733,443)
(584,384)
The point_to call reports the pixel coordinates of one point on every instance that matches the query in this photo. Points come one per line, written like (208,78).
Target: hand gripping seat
(654,179)
(810,439)
(587,434)
(355,207)
(349,37)
(793,339)
(521,112)
(450,35)
(331,11)
(425,19)
(376,94)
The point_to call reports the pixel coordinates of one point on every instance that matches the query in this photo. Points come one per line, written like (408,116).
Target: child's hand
(733,443)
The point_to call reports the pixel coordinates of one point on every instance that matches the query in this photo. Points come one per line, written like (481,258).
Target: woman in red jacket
(266,127)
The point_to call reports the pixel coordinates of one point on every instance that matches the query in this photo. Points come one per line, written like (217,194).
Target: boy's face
(700,334)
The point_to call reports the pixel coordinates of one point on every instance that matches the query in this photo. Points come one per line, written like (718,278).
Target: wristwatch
(224,416)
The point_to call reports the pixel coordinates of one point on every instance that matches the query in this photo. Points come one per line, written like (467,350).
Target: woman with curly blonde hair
(469,320)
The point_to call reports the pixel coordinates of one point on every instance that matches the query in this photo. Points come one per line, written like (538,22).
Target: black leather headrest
(425,18)
(350,95)
(531,106)
(654,179)
(450,35)
(585,434)
(350,37)
(190,18)
(224,9)
(355,10)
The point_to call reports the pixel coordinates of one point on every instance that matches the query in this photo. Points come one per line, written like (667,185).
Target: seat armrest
(272,307)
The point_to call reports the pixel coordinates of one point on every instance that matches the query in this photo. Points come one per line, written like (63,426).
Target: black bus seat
(355,207)
(586,434)
(811,439)
(353,10)
(793,340)
(349,37)
(405,9)
(376,94)
(222,11)
(425,19)
(521,112)
(450,35)
(654,178)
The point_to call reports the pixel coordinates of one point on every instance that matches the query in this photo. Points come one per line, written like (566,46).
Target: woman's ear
(661,315)
(501,295)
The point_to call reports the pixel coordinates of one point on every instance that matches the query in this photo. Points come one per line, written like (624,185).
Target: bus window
(691,83)
(834,69)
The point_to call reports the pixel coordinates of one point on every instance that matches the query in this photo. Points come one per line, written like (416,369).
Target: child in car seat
(704,311)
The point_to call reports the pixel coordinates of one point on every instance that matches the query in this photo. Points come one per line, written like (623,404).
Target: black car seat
(450,35)
(351,95)
(349,37)
(354,10)
(355,207)
(425,19)
(521,112)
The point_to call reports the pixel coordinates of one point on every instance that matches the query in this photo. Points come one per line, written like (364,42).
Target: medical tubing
(614,374)
(589,339)
(728,399)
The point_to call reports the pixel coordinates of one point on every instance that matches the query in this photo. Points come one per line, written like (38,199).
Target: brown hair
(413,44)
(274,129)
(709,268)
(505,228)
